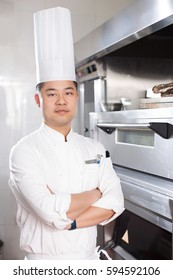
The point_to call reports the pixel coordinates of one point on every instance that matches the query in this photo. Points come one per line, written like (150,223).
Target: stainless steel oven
(130,62)
(140,143)
(144,230)
(138,139)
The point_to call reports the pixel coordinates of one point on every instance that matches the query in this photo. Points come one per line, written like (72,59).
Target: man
(63,182)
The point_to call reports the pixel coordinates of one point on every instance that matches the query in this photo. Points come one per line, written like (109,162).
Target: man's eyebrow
(69,88)
(52,89)
(49,89)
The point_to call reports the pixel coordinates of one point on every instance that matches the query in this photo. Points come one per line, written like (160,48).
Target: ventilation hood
(140,19)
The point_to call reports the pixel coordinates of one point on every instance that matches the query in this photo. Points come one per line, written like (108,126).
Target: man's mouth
(61,111)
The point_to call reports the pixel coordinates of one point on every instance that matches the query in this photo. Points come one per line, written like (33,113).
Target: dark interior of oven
(142,239)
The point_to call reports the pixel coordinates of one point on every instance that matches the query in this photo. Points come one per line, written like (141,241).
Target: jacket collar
(54,137)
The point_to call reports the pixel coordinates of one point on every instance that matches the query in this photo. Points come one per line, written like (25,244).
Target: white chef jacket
(44,170)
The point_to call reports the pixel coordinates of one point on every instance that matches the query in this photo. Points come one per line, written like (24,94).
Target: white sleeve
(109,184)
(31,192)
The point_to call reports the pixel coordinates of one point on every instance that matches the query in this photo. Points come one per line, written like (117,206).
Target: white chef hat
(54,51)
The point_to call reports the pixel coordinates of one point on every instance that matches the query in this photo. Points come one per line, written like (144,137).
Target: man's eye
(51,94)
(69,93)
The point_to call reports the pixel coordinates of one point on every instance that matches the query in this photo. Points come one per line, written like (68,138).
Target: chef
(64,183)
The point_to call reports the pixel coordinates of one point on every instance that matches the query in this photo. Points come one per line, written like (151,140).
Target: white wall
(18,113)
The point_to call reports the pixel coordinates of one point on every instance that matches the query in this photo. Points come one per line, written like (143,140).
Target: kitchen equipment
(140,144)
(126,102)
(117,33)
(124,60)
(139,134)
(160,102)
(111,106)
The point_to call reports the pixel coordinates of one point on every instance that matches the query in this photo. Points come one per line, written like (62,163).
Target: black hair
(40,86)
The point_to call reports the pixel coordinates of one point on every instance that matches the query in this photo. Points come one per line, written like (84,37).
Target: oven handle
(164,129)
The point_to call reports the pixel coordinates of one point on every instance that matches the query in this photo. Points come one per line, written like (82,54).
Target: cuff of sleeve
(63,201)
(117,213)
(110,204)
(62,205)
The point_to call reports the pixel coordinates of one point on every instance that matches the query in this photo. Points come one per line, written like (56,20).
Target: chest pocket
(90,176)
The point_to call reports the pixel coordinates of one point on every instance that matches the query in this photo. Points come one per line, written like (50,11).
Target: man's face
(58,101)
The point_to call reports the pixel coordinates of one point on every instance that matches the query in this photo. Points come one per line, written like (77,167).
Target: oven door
(136,142)
(144,230)
(146,136)
(137,238)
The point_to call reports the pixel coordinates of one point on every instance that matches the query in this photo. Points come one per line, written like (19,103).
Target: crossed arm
(59,209)
(84,213)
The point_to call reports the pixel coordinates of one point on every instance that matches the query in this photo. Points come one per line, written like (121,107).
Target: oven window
(142,239)
(142,137)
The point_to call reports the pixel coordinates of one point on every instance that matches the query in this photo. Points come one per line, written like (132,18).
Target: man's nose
(60,99)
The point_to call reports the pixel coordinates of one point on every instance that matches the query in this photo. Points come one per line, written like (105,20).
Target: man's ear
(37,99)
